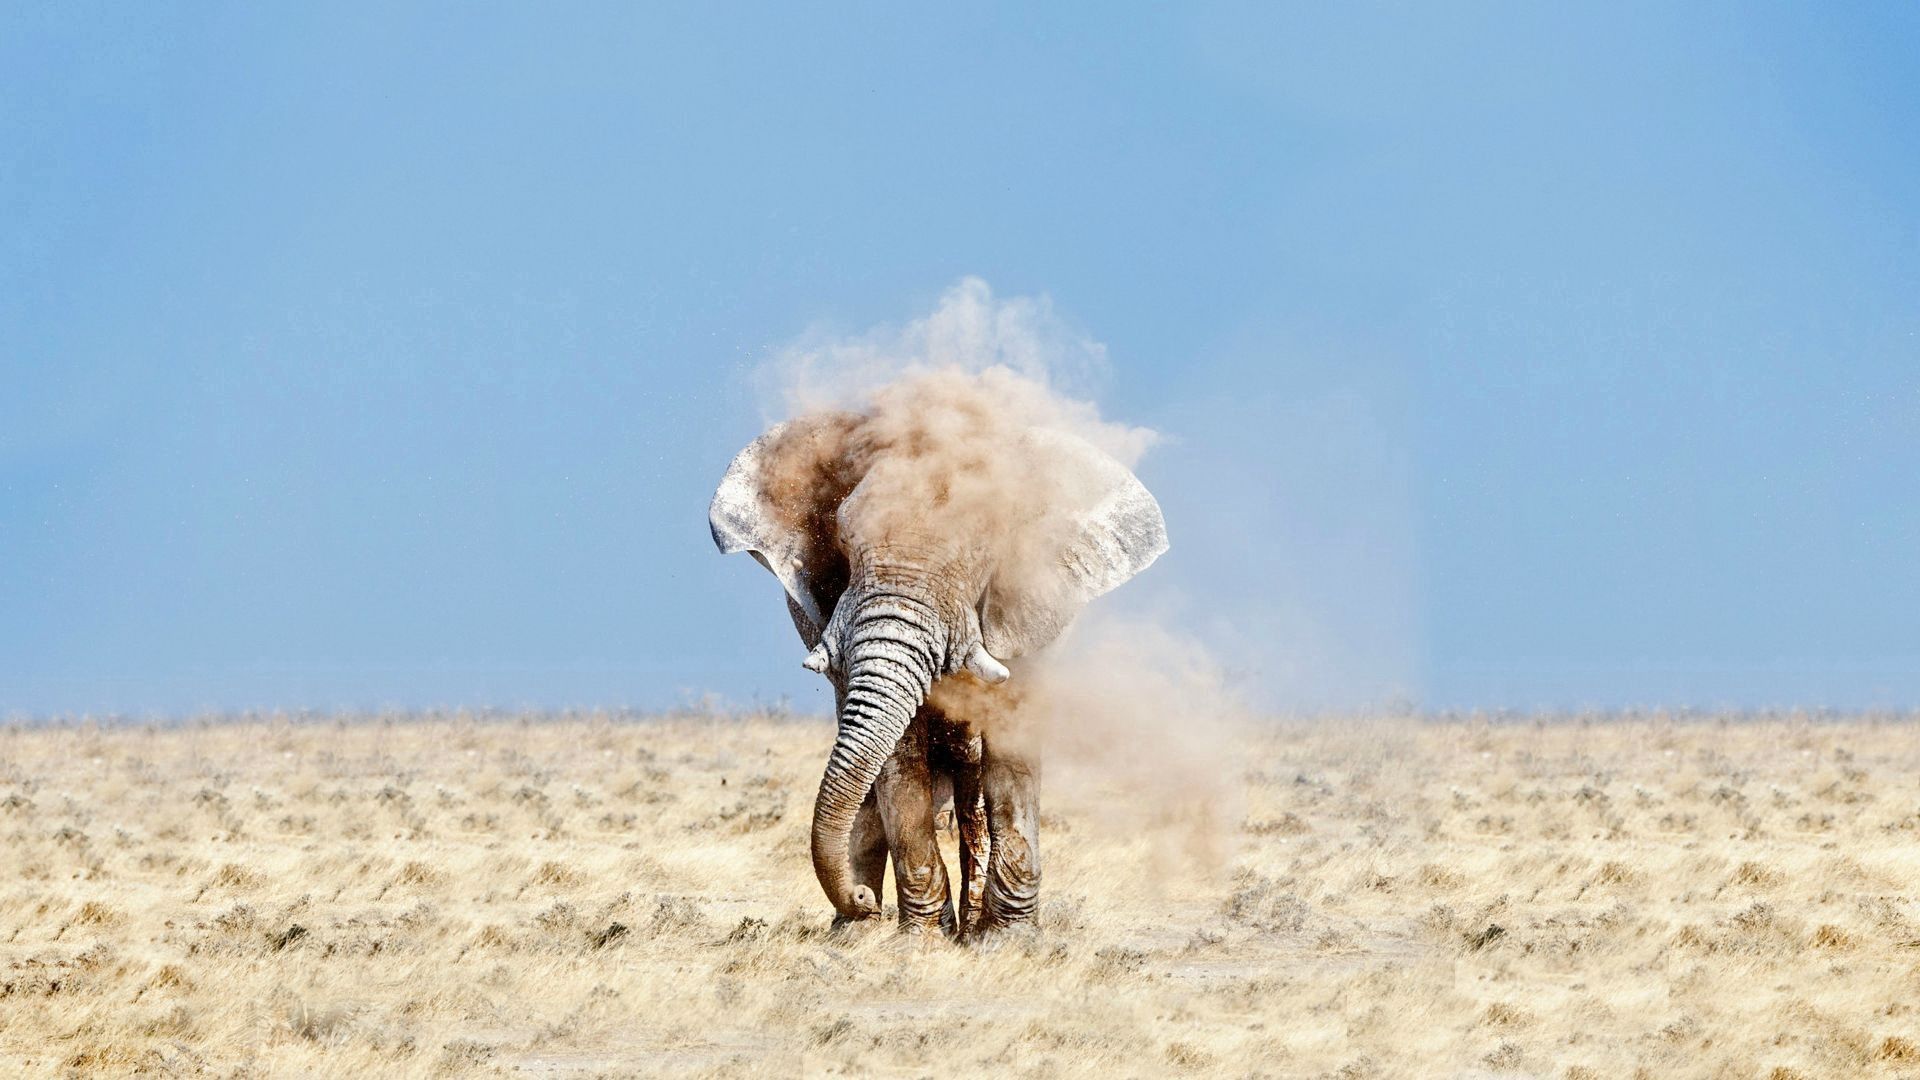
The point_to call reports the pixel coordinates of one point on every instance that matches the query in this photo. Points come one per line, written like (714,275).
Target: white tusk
(816,660)
(985,667)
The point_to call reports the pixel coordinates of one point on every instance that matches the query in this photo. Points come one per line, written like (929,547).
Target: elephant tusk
(816,660)
(985,667)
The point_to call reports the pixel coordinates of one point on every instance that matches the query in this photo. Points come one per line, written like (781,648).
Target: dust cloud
(922,437)
(1137,718)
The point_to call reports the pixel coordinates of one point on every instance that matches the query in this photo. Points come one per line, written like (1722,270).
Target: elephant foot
(932,918)
(958,751)
(992,937)
(904,797)
(1011,790)
(923,896)
(919,938)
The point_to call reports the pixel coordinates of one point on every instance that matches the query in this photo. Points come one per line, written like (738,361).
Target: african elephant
(917,555)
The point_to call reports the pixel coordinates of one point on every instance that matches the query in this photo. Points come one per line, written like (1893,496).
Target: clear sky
(1509,355)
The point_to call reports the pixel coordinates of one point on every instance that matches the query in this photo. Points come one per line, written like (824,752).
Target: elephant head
(914,551)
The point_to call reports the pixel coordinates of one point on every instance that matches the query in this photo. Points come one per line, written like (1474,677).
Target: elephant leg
(904,794)
(960,754)
(1010,789)
(869,846)
(970,816)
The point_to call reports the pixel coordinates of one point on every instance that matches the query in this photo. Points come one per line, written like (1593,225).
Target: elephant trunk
(889,668)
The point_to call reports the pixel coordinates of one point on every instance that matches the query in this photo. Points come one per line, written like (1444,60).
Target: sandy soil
(588,895)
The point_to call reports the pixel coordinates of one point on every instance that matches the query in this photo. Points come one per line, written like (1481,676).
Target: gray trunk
(889,670)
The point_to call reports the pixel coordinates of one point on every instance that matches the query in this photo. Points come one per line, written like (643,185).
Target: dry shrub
(1829,936)
(419,874)
(95,913)
(236,877)
(1753,875)
(1898,1048)
(170,976)
(557,875)
(1616,873)
(1506,1015)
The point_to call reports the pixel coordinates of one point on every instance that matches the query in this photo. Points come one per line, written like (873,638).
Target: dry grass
(579,896)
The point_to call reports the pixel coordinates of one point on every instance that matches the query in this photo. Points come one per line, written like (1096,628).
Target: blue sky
(1510,356)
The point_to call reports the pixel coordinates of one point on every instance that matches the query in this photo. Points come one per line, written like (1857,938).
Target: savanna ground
(585,895)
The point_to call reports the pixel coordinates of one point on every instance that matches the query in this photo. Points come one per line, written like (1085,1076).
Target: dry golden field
(571,896)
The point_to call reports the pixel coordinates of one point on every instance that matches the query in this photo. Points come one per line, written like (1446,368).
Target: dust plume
(969,330)
(1137,717)
(925,437)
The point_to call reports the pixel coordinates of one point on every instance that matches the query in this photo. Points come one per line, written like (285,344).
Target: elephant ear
(1101,528)
(777,503)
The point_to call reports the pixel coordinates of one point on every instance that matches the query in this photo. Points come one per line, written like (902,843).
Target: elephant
(921,555)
